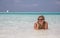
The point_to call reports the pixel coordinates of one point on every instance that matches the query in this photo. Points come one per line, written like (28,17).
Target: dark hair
(42,17)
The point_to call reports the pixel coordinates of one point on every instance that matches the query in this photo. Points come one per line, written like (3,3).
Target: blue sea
(20,25)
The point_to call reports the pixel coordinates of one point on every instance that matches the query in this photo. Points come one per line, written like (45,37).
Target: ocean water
(21,26)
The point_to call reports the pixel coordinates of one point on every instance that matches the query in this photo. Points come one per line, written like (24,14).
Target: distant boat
(7,11)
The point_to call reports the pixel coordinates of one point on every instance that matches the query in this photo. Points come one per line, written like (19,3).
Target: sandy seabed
(28,33)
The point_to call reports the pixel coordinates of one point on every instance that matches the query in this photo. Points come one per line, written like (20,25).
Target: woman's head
(41,18)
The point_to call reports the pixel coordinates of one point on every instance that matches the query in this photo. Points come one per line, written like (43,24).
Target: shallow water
(21,26)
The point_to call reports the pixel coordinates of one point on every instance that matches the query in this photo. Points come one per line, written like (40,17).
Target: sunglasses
(40,19)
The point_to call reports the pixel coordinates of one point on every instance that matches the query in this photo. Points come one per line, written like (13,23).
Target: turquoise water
(32,13)
(21,26)
(13,19)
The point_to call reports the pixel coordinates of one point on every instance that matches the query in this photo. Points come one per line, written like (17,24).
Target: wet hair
(42,17)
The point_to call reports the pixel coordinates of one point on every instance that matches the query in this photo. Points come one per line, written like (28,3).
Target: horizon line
(32,13)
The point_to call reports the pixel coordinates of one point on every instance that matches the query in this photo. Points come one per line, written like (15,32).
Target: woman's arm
(36,26)
(46,25)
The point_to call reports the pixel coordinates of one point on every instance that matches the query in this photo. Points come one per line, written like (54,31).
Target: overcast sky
(30,5)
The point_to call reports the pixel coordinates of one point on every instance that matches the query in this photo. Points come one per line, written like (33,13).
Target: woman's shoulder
(46,23)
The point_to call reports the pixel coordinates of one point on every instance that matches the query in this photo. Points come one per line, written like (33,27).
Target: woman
(41,23)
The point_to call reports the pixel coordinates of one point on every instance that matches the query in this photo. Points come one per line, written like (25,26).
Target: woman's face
(41,19)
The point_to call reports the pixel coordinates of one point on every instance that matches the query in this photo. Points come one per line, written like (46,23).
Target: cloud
(27,5)
(58,2)
(35,5)
(21,3)
(18,1)
(31,5)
